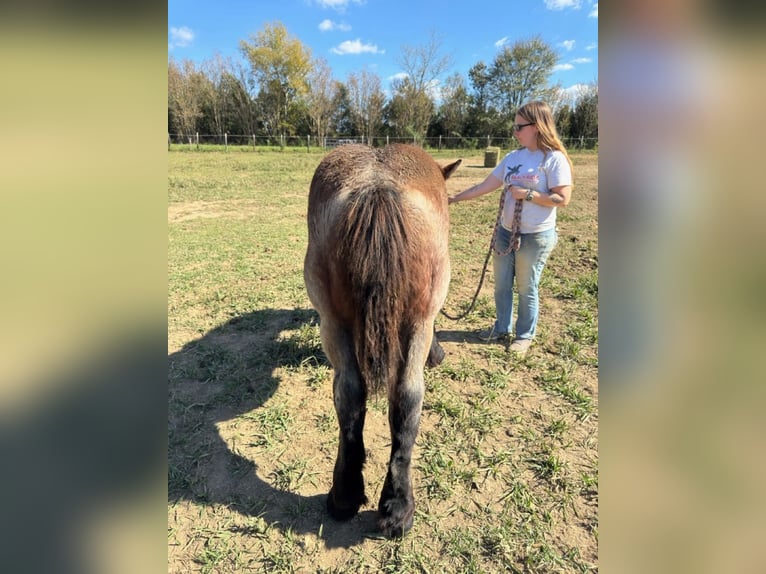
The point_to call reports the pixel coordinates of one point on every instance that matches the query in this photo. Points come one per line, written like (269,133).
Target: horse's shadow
(454,336)
(227,372)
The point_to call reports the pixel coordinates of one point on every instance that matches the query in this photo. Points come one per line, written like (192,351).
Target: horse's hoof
(392,528)
(396,517)
(435,355)
(343,513)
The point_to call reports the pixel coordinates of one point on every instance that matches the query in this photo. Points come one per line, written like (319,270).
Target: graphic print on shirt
(510,172)
(513,177)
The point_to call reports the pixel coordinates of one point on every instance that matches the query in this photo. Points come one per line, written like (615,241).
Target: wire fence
(241,142)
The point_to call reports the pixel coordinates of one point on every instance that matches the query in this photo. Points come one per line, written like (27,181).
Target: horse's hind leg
(397,503)
(349,395)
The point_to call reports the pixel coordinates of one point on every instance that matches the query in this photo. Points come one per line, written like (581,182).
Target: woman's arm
(558,197)
(489,184)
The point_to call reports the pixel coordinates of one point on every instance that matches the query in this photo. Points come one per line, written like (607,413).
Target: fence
(308,142)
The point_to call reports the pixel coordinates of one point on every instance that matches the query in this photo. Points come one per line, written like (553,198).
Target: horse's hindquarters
(377,271)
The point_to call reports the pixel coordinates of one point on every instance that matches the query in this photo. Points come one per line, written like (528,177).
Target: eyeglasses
(519,127)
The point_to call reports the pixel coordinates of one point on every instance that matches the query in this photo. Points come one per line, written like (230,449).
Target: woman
(537,179)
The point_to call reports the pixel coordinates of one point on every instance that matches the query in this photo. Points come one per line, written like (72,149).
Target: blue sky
(353,35)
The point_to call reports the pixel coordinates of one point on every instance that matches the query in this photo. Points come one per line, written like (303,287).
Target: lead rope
(515,241)
(513,245)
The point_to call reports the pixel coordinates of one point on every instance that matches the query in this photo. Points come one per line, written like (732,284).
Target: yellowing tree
(279,65)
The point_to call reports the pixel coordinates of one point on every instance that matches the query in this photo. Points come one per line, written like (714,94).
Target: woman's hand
(491,183)
(518,192)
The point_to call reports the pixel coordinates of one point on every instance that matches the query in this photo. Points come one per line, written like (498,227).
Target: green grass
(505,468)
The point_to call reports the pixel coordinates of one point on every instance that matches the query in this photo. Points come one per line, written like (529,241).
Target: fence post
(253,142)
(488,141)
(168,141)
(440,143)
(386,140)
(197,140)
(308,143)
(225,141)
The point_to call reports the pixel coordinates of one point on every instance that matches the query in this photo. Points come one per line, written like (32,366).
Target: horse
(377,271)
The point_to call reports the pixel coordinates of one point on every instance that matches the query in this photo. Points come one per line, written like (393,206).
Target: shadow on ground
(471,337)
(446,336)
(228,372)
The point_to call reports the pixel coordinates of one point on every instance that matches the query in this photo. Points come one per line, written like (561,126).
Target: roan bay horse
(377,271)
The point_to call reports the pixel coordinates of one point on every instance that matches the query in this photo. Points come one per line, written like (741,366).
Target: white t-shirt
(532,170)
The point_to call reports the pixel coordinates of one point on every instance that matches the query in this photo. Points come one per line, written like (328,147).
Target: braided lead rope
(514,244)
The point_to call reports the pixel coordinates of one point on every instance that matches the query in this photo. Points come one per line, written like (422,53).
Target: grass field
(505,468)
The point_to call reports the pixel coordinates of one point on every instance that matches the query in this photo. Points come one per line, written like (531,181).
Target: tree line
(279,90)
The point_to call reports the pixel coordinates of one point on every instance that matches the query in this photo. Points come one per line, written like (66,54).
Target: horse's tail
(375,237)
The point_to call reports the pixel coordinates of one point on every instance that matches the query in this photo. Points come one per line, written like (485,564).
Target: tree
(480,78)
(422,66)
(408,112)
(279,66)
(342,122)
(320,96)
(453,111)
(585,115)
(184,96)
(480,118)
(562,116)
(367,99)
(560,101)
(242,99)
(216,93)
(518,74)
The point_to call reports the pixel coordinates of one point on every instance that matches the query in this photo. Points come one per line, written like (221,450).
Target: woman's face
(525,132)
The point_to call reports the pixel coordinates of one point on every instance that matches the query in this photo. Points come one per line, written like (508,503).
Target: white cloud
(356,47)
(501,42)
(573,93)
(399,76)
(568,44)
(339,5)
(328,25)
(571,64)
(594,11)
(180,37)
(562,4)
(593,46)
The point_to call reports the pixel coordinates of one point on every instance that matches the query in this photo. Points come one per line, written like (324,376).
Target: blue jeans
(525,266)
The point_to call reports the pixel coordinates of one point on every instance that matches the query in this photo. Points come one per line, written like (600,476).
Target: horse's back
(353,168)
(350,177)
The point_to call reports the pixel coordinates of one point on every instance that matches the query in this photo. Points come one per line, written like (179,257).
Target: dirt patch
(237,209)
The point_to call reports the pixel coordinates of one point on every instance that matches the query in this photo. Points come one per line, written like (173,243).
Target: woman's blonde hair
(540,114)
